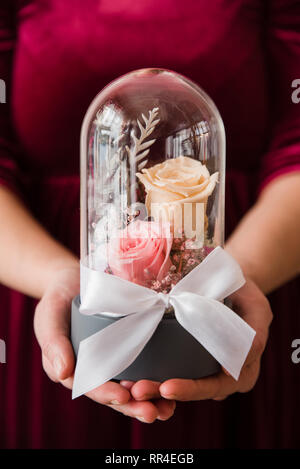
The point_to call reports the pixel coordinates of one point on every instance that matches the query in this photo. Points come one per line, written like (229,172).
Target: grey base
(170,353)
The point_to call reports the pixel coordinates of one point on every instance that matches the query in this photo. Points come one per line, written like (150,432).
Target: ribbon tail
(226,336)
(104,355)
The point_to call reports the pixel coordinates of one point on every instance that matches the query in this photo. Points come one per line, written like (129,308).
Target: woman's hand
(52,329)
(251,304)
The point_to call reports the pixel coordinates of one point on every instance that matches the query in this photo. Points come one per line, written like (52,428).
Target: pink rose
(140,252)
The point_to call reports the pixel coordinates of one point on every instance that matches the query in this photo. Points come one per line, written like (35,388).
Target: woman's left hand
(52,329)
(252,305)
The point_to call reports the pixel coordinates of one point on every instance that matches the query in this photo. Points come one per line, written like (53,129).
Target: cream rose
(177,192)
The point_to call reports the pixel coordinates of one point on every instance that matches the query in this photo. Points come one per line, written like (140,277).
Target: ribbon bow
(197,302)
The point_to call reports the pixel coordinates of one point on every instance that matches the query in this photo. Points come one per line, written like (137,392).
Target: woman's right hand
(52,329)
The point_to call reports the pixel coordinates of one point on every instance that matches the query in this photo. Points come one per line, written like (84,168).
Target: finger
(144,390)
(49,370)
(145,411)
(253,306)
(249,376)
(220,398)
(51,325)
(198,389)
(127,384)
(225,371)
(110,393)
(68,383)
(255,352)
(161,409)
(165,407)
(120,401)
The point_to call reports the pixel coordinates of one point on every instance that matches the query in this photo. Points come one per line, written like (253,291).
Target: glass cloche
(152,178)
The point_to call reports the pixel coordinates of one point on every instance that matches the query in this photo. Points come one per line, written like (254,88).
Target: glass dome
(152,178)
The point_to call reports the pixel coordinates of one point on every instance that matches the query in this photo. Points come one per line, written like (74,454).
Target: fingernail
(141,419)
(165,418)
(114,402)
(58,366)
(168,396)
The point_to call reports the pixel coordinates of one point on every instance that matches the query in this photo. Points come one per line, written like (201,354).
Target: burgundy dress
(55,55)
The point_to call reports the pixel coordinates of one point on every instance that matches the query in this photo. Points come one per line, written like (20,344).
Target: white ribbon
(197,302)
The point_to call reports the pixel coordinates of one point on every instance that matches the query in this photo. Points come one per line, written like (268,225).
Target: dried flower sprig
(141,147)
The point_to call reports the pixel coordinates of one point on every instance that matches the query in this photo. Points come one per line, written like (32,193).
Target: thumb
(52,329)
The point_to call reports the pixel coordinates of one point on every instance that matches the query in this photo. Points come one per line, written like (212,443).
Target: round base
(170,353)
